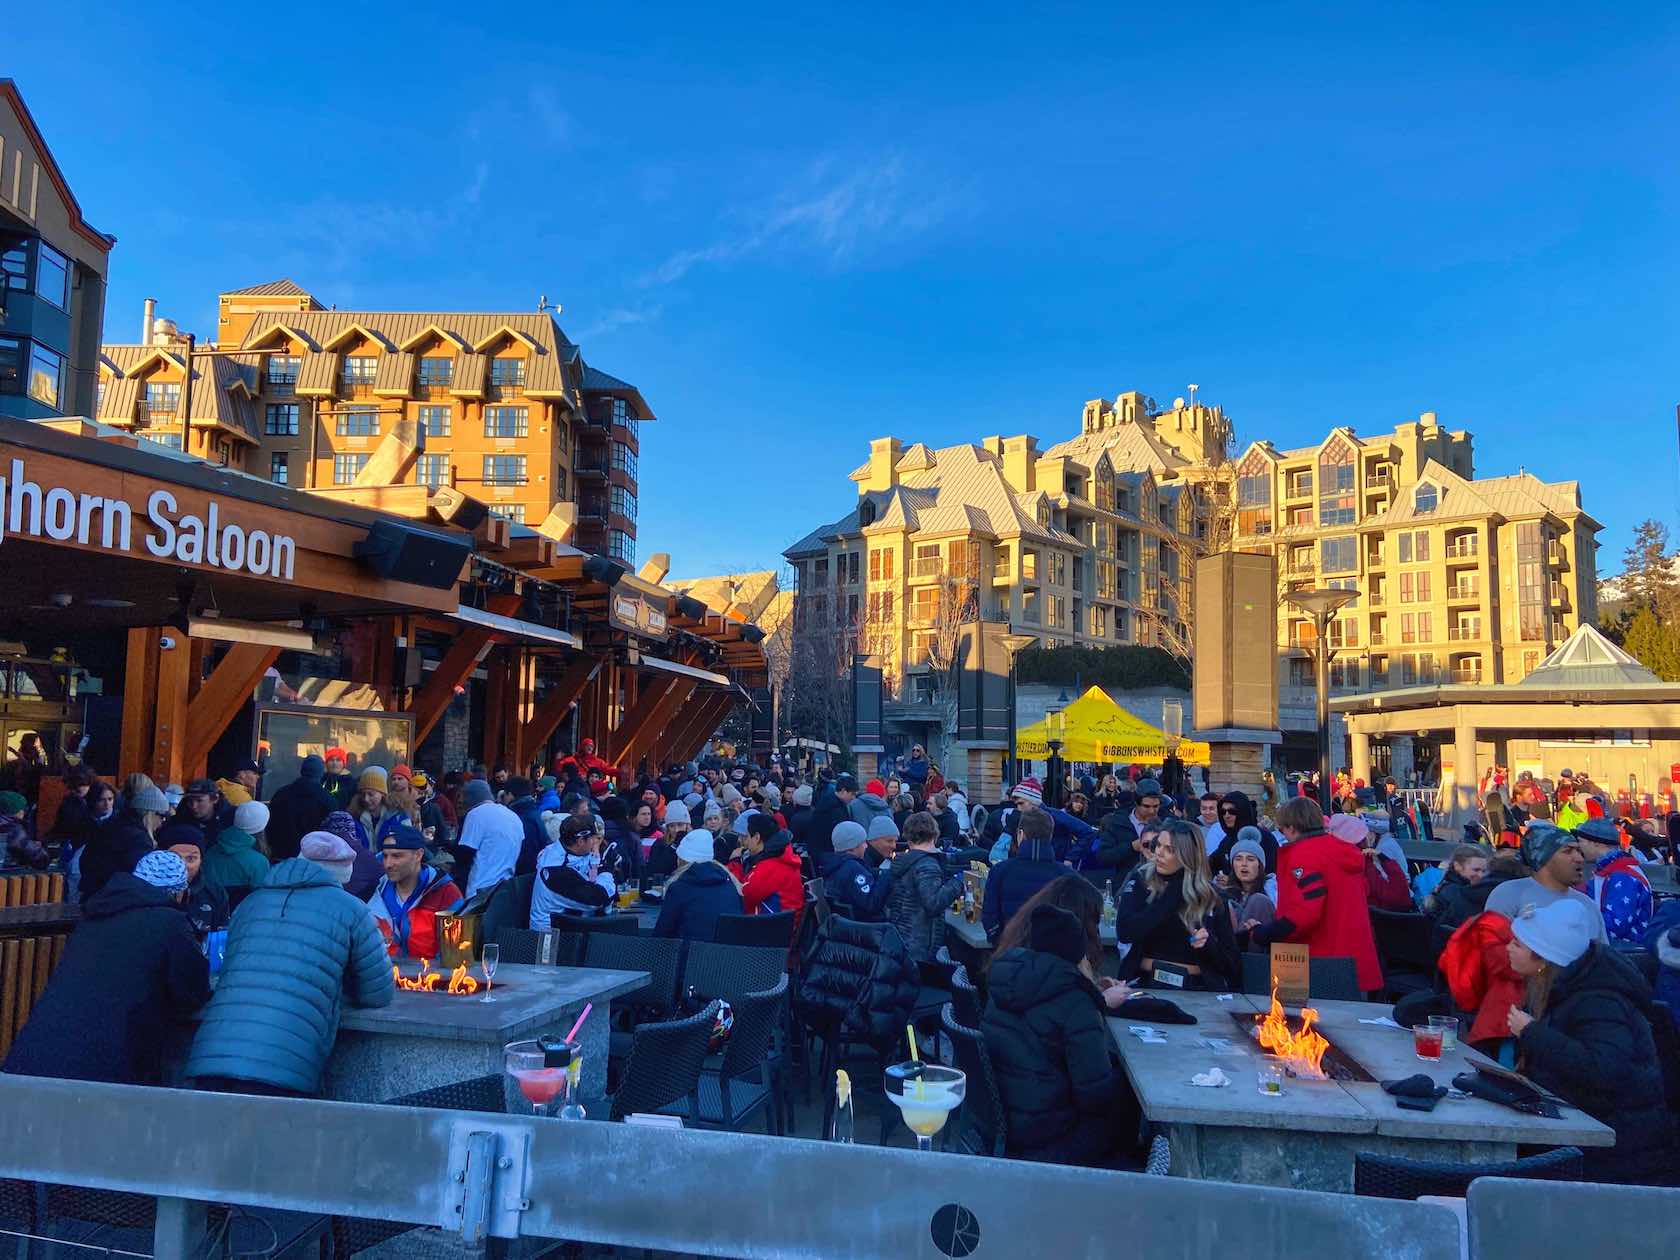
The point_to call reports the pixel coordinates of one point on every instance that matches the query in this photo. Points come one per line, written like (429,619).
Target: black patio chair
(663,1066)
(660,957)
(1329,979)
(1391,1177)
(965,999)
(981,1129)
(755,929)
(522,946)
(1406,949)
(731,971)
(729,1097)
(509,907)
(572,929)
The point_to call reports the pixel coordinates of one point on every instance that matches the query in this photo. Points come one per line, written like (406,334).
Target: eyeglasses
(1228,809)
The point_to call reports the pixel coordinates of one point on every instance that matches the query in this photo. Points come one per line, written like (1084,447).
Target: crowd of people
(310,897)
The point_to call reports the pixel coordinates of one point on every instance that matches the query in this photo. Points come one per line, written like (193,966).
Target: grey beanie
(1248,841)
(477,792)
(1560,933)
(848,835)
(882,827)
(148,800)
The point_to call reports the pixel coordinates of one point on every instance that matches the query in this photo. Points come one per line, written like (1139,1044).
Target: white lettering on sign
(26,510)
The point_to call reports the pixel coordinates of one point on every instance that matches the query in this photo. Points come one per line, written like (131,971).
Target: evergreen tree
(1649,578)
(1654,644)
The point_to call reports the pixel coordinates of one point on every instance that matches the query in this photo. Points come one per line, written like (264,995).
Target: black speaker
(393,551)
(693,609)
(602,570)
(409,672)
(751,633)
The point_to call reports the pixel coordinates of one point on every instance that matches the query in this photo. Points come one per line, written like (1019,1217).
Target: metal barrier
(1523,1220)
(712,1194)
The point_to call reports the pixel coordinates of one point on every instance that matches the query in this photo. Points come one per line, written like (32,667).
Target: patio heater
(1321,605)
(1012,644)
(1055,725)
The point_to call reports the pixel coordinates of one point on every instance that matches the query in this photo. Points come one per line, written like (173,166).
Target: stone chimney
(1020,459)
(884,455)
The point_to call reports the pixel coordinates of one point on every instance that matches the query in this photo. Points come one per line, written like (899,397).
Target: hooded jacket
(1321,904)
(863,810)
(859,984)
(1219,861)
(920,895)
(853,889)
(1593,1047)
(1011,883)
(694,900)
(299,946)
(827,814)
(1623,892)
(116,846)
(295,811)
(131,975)
(776,885)
(233,861)
(1478,974)
(1056,1066)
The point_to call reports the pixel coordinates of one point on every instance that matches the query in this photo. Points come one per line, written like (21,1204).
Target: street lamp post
(1321,605)
(1012,644)
(1055,725)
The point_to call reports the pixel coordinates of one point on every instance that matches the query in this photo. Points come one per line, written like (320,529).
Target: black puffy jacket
(859,984)
(1065,1096)
(1593,1048)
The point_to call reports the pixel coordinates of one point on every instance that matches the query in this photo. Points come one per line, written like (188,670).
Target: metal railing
(1468,632)
(1463,550)
(486,1176)
(1464,590)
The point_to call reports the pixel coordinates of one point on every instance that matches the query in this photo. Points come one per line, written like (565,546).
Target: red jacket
(1478,971)
(1321,891)
(1385,884)
(779,876)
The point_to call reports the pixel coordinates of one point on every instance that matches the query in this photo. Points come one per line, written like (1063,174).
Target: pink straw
(587,1007)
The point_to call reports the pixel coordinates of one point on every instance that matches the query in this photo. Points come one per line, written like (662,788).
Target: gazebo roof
(1587,660)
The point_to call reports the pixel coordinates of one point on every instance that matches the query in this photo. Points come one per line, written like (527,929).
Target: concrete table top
(974,935)
(527,998)
(1160,1076)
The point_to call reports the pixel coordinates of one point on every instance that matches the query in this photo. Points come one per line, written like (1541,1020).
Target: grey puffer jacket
(297,946)
(920,896)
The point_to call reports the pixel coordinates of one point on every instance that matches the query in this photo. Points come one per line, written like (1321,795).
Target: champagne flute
(489,960)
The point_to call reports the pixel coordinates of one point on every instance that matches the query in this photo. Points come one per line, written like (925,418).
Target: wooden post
(221,697)
(634,731)
(704,725)
(169,728)
(139,700)
(496,689)
(433,696)
(559,701)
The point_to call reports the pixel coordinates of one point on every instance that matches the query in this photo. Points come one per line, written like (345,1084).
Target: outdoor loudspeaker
(752,633)
(1236,642)
(606,572)
(404,555)
(693,609)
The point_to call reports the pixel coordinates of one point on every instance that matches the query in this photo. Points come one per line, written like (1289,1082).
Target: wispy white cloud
(554,120)
(475,191)
(839,210)
(616,317)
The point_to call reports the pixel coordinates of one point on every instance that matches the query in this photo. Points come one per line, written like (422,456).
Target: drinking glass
(489,961)
(1426,1042)
(925,1100)
(1448,1024)
(526,1062)
(1270,1082)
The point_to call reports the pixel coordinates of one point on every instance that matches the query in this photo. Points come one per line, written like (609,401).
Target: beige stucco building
(301,394)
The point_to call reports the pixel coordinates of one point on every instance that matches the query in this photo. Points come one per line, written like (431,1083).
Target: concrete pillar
(1361,754)
(1465,769)
(1236,756)
(1400,762)
(868,763)
(982,772)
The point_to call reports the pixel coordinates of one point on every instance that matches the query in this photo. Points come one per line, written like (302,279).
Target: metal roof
(274,288)
(1587,660)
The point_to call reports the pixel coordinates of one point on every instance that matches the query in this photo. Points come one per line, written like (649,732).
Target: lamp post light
(1055,725)
(1012,644)
(1321,605)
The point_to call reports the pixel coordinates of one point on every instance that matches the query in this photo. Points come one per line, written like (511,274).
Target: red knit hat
(876,788)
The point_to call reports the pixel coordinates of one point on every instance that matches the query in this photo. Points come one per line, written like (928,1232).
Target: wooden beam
(169,725)
(528,553)
(713,714)
(432,697)
(139,700)
(633,730)
(227,689)
(679,729)
(559,701)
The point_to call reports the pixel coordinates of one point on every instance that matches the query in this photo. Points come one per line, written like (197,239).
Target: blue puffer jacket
(298,945)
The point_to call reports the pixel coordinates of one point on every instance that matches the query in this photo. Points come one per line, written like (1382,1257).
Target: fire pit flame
(1304,1051)
(460,984)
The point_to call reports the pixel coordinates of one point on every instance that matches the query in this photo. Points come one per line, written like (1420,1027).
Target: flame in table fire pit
(429,981)
(1303,1050)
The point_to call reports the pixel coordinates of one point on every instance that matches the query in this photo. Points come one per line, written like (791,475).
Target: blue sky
(797,230)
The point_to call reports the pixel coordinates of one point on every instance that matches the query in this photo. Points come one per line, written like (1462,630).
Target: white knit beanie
(1559,933)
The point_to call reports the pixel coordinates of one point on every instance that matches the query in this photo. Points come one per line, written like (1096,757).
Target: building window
(1335,485)
(1300,483)
(14,265)
(163,397)
(282,373)
(622,415)
(620,546)
(171,440)
(1533,619)
(1414,547)
(622,502)
(623,459)
(436,373)
(346,467)
(278,467)
(881,565)
(359,371)
(46,375)
(1254,497)
(504,470)
(1058,611)
(1058,571)
(507,373)
(559,485)
(435,420)
(514,512)
(431,470)
(281,420)
(1029,564)
(1426,499)
(1029,606)
(506,422)
(1414,588)
(1338,555)
(52,275)
(358,422)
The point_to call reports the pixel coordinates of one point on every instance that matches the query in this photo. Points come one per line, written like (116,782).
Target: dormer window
(1425,499)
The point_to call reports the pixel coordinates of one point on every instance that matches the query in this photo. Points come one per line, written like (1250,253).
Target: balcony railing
(1559,595)
(1378,638)
(1468,631)
(280,386)
(356,388)
(1461,674)
(926,566)
(1463,549)
(1464,590)
(433,388)
(498,390)
(590,468)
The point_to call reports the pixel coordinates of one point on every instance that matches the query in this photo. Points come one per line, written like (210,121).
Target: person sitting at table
(131,975)
(299,947)
(700,891)
(1012,882)
(407,902)
(662,859)
(851,886)
(1250,893)
(1584,1033)
(776,882)
(1386,885)
(1175,922)
(570,878)
(1065,1096)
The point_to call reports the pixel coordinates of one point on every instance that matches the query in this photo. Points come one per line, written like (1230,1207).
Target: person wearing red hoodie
(1321,893)
(775,883)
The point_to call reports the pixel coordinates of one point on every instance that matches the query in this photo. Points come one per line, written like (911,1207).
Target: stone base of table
(1303,1161)
(374,1066)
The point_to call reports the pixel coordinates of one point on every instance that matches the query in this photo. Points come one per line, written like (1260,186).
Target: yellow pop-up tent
(1096,729)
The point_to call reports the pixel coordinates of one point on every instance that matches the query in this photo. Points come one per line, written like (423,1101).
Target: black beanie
(1053,930)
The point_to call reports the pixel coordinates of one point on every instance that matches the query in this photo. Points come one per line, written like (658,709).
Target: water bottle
(842,1131)
(573,1110)
(1109,914)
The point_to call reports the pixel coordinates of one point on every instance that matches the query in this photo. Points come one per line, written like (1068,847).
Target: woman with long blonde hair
(1173,918)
